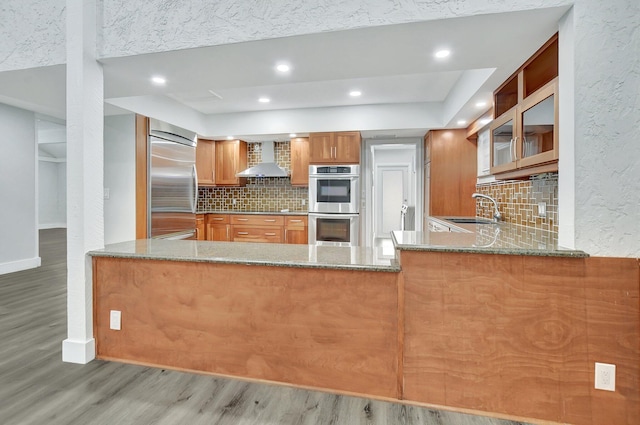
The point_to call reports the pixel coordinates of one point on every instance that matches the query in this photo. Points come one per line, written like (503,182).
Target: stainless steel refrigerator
(173,182)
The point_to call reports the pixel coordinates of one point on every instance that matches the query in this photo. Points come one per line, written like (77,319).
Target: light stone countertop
(254,212)
(249,253)
(503,238)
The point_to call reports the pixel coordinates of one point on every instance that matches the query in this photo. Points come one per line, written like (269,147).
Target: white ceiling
(389,64)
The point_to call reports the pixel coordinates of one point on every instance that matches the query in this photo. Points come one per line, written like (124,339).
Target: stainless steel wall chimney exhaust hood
(268,166)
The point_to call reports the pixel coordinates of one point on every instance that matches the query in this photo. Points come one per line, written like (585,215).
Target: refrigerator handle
(194,205)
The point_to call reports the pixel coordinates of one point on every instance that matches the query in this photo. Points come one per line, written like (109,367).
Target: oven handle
(334,176)
(331,215)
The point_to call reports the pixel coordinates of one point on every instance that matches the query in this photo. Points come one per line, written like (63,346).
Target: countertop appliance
(173,182)
(334,205)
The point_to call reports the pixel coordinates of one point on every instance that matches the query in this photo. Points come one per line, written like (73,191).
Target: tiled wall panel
(267,194)
(518,201)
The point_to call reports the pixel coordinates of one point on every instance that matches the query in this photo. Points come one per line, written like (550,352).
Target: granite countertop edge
(494,251)
(394,267)
(254,212)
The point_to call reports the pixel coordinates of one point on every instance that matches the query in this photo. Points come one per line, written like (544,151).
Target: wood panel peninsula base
(512,336)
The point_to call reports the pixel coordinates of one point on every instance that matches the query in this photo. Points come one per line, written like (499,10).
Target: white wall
(607,127)
(32,33)
(131,27)
(52,194)
(18,221)
(120,178)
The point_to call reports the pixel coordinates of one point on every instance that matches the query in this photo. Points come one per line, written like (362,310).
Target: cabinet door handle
(272,220)
(515,147)
(242,219)
(295,221)
(243,233)
(217,218)
(269,234)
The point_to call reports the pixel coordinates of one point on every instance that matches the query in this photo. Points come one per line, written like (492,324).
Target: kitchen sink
(469,220)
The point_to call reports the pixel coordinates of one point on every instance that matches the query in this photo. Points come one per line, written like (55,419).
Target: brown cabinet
(230,158)
(201,233)
(205,162)
(300,161)
(524,134)
(257,228)
(334,148)
(218,227)
(296,230)
(450,173)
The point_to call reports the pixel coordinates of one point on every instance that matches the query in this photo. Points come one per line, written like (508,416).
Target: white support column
(85,217)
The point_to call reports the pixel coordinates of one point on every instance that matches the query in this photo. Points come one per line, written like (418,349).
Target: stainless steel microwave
(334,189)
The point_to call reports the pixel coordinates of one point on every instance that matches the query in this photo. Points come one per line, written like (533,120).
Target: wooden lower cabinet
(256,228)
(296,230)
(201,228)
(218,227)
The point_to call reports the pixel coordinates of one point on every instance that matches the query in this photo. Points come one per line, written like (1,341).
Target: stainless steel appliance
(334,205)
(173,182)
(334,189)
(334,229)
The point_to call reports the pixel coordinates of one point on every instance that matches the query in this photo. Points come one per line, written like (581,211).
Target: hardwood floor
(36,387)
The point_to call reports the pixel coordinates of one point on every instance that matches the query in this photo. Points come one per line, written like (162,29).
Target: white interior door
(393,182)
(391,191)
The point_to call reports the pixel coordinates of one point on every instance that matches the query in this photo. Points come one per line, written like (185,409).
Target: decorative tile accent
(518,201)
(268,194)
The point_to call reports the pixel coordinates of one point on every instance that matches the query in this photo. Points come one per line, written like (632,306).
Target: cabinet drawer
(257,234)
(295,222)
(258,220)
(217,218)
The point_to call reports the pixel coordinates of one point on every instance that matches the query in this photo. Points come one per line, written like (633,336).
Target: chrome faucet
(496,214)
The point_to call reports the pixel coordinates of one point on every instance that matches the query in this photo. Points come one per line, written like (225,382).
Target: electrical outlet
(233,201)
(304,202)
(605,377)
(115,320)
(542,209)
(106,193)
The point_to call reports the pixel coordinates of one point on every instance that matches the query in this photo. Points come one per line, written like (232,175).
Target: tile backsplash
(268,194)
(518,201)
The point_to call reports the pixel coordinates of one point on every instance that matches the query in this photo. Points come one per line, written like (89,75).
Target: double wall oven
(334,204)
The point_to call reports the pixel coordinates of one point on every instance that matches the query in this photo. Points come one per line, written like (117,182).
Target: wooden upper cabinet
(334,148)
(524,133)
(230,159)
(205,162)
(450,187)
(300,161)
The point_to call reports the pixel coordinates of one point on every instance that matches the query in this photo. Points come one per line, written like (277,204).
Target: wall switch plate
(115,320)
(542,209)
(304,202)
(107,193)
(605,377)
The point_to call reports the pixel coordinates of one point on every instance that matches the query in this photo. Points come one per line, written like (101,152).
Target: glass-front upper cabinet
(527,135)
(503,142)
(538,126)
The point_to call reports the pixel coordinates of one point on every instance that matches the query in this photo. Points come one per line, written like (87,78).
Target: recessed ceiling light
(229,137)
(264,100)
(283,67)
(292,134)
(481,104)
(462,122)
(485,121)
(355,93)
(441,54)
(158,80)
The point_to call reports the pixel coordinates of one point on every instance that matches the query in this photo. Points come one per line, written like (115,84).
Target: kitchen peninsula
(503,330)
